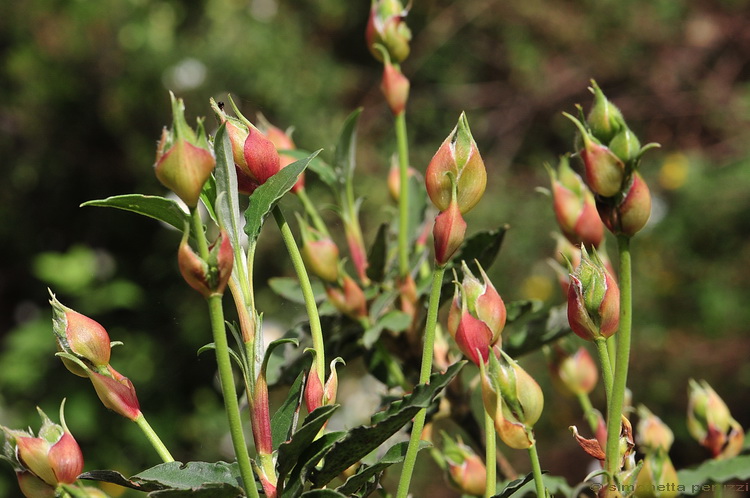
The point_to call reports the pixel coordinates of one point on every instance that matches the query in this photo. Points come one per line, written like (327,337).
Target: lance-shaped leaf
(307,461)
(378,255)
(265,197)
(290,451)
(366,473)
(344,160)
(318,166)
(362,440)
(283,421)
(153,206)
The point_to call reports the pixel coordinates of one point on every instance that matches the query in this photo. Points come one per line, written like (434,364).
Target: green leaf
(176,476)
(360,441)
(309,458)
(208,490)
(232,354)
(227,195)
(318,166)
(713,471)
(265,197)
(153,206)
(208,196)
(395,454)
(344,159)
(288,288)
(483,247)
(284,418)
(394,320)
(290,451)
(377,257)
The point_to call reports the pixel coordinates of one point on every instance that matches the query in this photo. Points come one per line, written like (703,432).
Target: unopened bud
(652,435)
(448,233)
(477,315)
(394,178)
(395,88)
(317,394)
(574,373)
(657,477)
(386,27)
(628,213)
(117,393)
(711,423)
(207,277)
(349,298)
(626,146)
(457,165)
(183,160)
(575,208)
(282,140)
(466,470)
(593,299)
(319,252)
(81,337)
(605,119)
(605,171)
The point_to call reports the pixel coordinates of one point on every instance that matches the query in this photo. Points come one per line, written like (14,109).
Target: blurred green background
(83,97)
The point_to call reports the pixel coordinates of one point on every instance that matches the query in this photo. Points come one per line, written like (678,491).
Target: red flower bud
(53,457)
(349,299)
(627,214)
(319,252)
(316,394)
(207,277)
(466,470)
(117,393)
(282,140)
(261,156)
(477,316)
(575,207)
(449,233)
(395,87)
(605,172)
(386,27)
(593,299)
(184,160)
(80,336)
(573,373)
(652,435)
(457,164)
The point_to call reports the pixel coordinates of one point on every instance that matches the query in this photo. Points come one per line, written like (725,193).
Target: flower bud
(477,315)
(711,423)
(605,119)
(349,298)
(466,470)
(652,435)
(117,393)
(386,27)
(626,146)
(657,477)
(394,178)
(574,373)
(629,213)
(513,400)
(575,207)
(81,337)
(207,277)
(184,160)
(448,233)
(355,242)
(319,252)
(316,394)
(33,487)
(53,456)
(457,164)
(593,299)
(282,140)
(395,88)
(605,171)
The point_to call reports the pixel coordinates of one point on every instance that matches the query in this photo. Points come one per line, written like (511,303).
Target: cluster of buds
(386,27)
(455,180)
(465,470)
(84,348)
(573,372)
(208,276)
(711,423)
(611,153)
(657,477)
(512,398)
(593,299)
(184,159)
(255,156)
(477,316)
(48,461)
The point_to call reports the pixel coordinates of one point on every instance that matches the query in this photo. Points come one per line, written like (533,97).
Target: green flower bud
(605,119)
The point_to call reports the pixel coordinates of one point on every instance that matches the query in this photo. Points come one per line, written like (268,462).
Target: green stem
(601,348)
(588,411)
(403,199)
(200,234)
(311,306)
(615,405)
(537,470)
(490,455)
(312,211)
(424,376)
(229,391)
(153,438)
